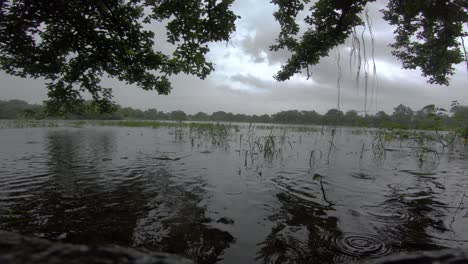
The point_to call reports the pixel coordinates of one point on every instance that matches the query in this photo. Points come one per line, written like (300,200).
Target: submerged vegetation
(181,186)
(167,182)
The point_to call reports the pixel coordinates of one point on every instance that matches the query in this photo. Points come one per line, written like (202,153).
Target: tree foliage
(428,33)
(74,44)
(329,23)
(402,115)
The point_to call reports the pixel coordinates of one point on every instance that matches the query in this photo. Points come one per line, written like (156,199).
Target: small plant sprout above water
(332,145)
(318,177)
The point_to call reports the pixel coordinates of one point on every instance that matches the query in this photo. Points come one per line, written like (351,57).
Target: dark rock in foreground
(447,256)
(18,249)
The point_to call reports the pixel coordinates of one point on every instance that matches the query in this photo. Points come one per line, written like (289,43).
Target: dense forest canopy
(74,44)
(402,116)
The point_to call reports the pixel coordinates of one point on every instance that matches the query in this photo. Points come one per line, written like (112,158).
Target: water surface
(184,192)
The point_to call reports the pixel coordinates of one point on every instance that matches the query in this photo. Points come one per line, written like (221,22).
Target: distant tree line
(402,117)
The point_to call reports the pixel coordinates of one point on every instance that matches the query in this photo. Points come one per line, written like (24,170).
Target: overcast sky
(243,82)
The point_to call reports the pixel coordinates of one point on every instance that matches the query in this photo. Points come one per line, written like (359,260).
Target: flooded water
(302,197)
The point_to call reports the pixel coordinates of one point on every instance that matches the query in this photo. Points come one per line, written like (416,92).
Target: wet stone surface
(18,249)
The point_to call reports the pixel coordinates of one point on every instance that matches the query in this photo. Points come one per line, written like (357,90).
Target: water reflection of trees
(305,232)
(94,213)
(418,214)
(178,223)
(302,233)
(90,199)
(74,205)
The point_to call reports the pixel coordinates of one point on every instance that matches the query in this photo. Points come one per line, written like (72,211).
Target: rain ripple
(361,245)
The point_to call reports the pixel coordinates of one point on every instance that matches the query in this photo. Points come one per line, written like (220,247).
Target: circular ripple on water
(361,245)
(362,175)
(388,214)
(393,217)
